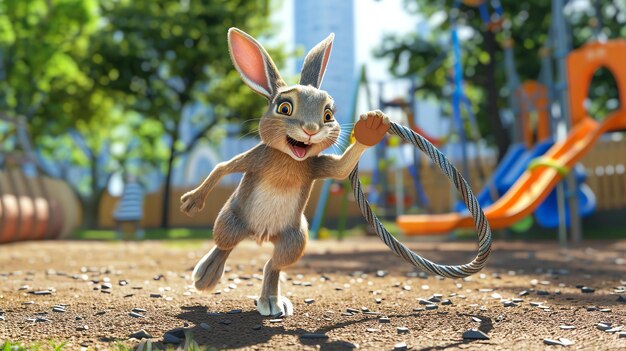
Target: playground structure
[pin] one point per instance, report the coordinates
(536, 183)
(33, 207)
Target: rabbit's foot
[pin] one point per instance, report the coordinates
(210, 269)
(274, 306)
(192, 202)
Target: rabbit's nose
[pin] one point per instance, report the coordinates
(311, 129)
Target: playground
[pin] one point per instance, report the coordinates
(161, 193)
(332, 288)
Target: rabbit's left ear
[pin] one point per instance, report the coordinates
(315, 63)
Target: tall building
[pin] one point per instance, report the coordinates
(314, 21)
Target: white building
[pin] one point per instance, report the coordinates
(314, 20)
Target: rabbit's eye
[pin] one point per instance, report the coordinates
(285, 108)
(328, 116)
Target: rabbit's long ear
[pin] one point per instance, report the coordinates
(253, 63)
(315, 63)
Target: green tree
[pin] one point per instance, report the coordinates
(45, 76)
(169, 55)
(526, 22)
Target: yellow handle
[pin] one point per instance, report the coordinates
(548, 162)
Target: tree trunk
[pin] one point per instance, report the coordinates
(90, 203)
(165, 209)
(501, 135)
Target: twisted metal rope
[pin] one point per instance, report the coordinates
(480, 221)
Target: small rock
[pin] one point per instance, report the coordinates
(226, 322)
(155, 295)
(42, 292)
(142, 334)
(400, 346)
(100, 313)
(566, 342)
(567, 327)
(58, 309)
(476, 319)
(378, 300)
(552, 342)
(352, 310)
(236, 311)
(475, 334)
(136, 315)
(256, 327)
(314, 336)
(432, 307)
(402, 330)
(276, 320)
(309, 301)
(622, 334)
(509, 304)
(139, 310)
(446, 302)
(384, 320)
(82, 327)
(372, 330)
(592, 308)
(587, 290)
(523, 293)
(603, 326)
(434, 299)
(621, 298)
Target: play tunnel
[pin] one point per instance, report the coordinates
(35, 207)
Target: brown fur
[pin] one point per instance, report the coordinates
(269, 202)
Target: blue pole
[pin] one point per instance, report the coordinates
(457, 97)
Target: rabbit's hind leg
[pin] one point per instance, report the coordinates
(288, 248)
(228, 231)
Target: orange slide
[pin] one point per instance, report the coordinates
(535, 184)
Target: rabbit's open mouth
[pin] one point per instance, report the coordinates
(297, 147)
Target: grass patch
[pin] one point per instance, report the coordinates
(150, 234)
(145, 345)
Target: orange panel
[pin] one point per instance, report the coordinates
(582, 63)
(533, 96)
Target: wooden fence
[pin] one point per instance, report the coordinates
(605, 165)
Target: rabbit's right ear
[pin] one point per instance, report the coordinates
(253, 63)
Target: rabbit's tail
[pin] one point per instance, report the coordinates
(209, 269)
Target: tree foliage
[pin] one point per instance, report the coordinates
(526, 22)
(105, 84)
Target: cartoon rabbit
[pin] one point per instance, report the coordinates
(279, 172)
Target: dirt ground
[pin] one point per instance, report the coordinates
(360, 274)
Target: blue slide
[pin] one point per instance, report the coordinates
(513, 165)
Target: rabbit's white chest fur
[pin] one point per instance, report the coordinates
(271, 210)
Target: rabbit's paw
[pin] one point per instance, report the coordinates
(192, 202)
(371, 127)
(274, 306)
